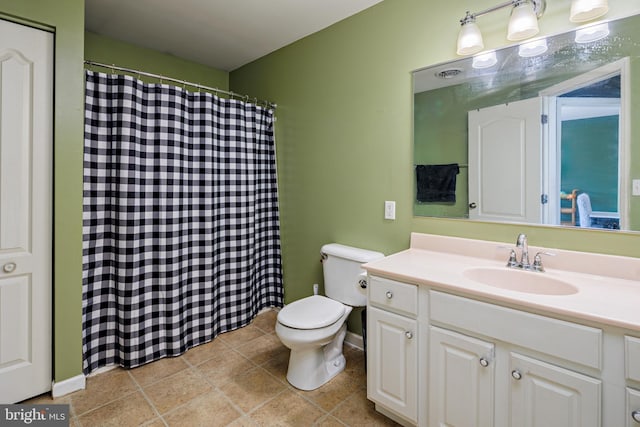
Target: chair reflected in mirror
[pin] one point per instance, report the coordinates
(584, 210)
(587, 218)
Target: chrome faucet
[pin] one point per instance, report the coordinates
(521, 243)
(524, 263)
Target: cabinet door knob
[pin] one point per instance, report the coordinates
(516, 375)
(484, 362)
(389, 294)
(409, 335)
(636, 415)
(9, 267)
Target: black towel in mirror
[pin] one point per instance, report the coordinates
(436, 183)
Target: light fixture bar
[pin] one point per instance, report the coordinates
(489, 10)
(539, 7)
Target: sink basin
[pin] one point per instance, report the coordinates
(520, 281)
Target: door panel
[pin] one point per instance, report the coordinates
(393, 362)
(26, 142)
(505, 160)
(545, 395)
(461, 372)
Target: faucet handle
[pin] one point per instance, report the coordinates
(537, 261)
(513, 259)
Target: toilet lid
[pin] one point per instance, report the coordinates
(312, 312)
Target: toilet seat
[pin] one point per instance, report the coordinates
(312, 312)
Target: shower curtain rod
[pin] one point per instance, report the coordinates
(246, 98)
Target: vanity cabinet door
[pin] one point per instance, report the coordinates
(544, 395)
(461, 372)
(392, 362)
(633, 408)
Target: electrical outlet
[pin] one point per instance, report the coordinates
(389, 210)
(635, 191)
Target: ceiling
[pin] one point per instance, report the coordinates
(224, 34)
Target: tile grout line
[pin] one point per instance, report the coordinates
(147, 398)
(102, 405)
(217, 389)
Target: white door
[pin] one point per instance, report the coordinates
(26, 114)
(544, 395)
(393, 379)
(461, 373)
(505, 161)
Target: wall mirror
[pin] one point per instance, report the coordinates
(546, 132)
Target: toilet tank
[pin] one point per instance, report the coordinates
(342, 270)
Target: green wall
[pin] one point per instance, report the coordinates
(344, 132)
(106, 50)
(66, 17)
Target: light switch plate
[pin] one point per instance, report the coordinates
(389, 209)
(635, 191)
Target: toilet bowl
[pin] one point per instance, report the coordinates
(314, 328)
(316, 351)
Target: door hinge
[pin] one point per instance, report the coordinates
(544, 119)
(544, 199)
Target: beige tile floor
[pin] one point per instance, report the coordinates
(238, 379)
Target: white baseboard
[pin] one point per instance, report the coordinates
(68, 386)
(354, 340)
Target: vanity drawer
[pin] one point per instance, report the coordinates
(569, 341)
(632, 358)
(394, 296)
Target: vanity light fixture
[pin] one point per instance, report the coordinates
(469, 37)
(587, 10)
(523, 24)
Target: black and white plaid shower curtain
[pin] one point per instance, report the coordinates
(180, 220)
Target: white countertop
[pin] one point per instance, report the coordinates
(609, 298)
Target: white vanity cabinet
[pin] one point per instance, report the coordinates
(392, 347)
(512, 345)
(500, 347)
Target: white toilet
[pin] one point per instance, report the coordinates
(314, 327)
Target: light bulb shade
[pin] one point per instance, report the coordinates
(469, 39)
(592, 33)
(523, 23)
(586, 10)
(485, 60)
(534, 48)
